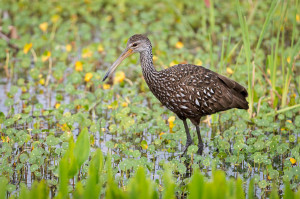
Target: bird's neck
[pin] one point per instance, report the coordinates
(149, 72)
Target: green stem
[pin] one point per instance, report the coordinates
(284, 110)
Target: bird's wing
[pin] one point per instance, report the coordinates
(233, 85)
(210, 92)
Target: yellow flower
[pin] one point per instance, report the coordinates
(268, 71)
(161, 134)
(297, 18)
(42, 81)
(124, 104)
(64, 127)
(86, 53)
(55, 18)
(5, 139)
(119, 77)
(293, 160)
(100, 48)
(27, 47)
(44, 26)
(199, 62)
(88, 77)
(288, 59)
(171, 123)
(113, 105)
(289, 121)
(173, 63)
(171, 119)
(106, 86)
(229, 70)
(57, 105)
(78, 66)
(46, 56)
(179, 45)
(24, 89)
(108, 18)
(68, 47)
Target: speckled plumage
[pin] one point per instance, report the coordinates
(193, 91)
(188, 90)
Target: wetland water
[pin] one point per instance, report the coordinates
(51, 139)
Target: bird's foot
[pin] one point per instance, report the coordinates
(188, 143)
(200, 149)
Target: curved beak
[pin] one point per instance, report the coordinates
(113, 67)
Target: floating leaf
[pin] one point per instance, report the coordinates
(33, 168)
(136, 153)
(9, 102)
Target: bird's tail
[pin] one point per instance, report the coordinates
(239, 101)
(238, 92)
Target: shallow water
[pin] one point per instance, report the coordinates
(48, 101)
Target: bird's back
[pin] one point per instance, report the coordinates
(193, 91)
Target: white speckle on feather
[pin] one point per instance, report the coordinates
(184, 107)
(197, 102)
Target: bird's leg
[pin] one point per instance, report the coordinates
(188, 137)
(200, 143)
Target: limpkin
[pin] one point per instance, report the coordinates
(190, 91)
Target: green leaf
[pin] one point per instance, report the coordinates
(9, 102)
(144, 144)
(136, 153)
(196, 185)
(142, 187)
(63, 177)
(3, 184)
(262, 184)
(169, 184)
(82, 147)
(11, 187)
(93, 186)
(33, 168)
(109, 144)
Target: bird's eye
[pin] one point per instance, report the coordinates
(134, 45)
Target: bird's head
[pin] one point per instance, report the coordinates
(136, 44)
